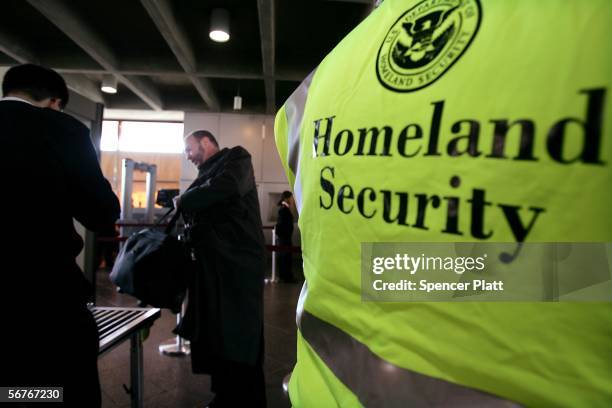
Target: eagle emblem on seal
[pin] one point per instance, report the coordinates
(425, 41)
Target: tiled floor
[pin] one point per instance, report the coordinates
(168, 381)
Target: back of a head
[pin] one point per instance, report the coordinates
(285, 196)
(35, 81)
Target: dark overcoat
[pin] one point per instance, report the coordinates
(50, 177)
(284, 225)
(224, 316)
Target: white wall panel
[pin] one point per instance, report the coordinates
(272, 169)
(253, 132)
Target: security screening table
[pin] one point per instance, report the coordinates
(117, 324)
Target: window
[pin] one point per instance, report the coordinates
(142, 137)
(159, 143)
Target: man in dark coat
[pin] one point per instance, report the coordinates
(51, 176)
(224, 317)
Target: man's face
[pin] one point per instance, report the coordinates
(198, 151)
(51, 103)
(194, 150)
(55, 104)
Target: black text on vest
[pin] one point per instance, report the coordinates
(465, 211)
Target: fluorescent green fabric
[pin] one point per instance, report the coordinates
(531, 60)
(281, 142)
(314, 385)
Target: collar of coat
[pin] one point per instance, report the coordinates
(212, 160)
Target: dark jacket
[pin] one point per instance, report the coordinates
(284, 225)
(224, 317)
(50, 176)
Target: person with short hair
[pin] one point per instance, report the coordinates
(52, 177)
(37, 85)
(224, 314)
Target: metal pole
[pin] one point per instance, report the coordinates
(273, 277)
(177, 346)
(127, 181)
(137, 381)
(151, 181)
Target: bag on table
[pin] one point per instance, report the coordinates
(152, 266)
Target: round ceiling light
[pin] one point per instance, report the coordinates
(219, 25)
(219, 36)
(109, 84)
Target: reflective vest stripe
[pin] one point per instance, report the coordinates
(294, 109)
(378, 383)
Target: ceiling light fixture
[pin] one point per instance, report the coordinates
(238, 99)
(219, 25)
(237, 102)
(109, 84)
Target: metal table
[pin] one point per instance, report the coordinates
(117, 324)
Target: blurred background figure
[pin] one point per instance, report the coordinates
(284, 231)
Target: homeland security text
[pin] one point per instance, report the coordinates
(411, 141)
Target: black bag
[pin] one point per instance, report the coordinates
(152, 266)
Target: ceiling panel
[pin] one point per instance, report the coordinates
(244, 47)
(39, 36)
(284, 89)
(127, 29)
(305, 31)
(252, 92)
(6, 60)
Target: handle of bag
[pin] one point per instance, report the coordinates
(177, 214)
(163, 217)
(172, 221)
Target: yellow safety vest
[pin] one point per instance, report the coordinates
(503, 105)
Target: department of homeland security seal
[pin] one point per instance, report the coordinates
(425, 42)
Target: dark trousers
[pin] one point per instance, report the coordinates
(56, 347)
(234, 384)
(285, 261)
(238, 385)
